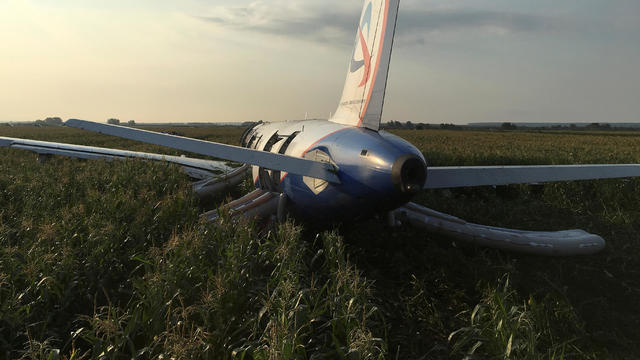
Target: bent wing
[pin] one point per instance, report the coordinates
(272, 161)
(467, 176)
(196, 168)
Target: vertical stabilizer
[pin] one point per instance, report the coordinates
(363, 94)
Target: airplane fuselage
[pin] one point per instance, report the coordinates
(378, 171)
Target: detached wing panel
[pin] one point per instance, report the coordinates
(467, 176)
(294, 165)
(197, 168)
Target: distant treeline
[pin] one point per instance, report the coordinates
(56, 121)
(510, 126)
(420, 126)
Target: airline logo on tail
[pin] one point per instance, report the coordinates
(366, 55)
(364, 89)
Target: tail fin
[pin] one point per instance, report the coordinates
(363, 94)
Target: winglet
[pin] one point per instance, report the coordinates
(364, 90)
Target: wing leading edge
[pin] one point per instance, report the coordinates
(468, 176)
(272, 161)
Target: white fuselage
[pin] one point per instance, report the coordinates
(377, 170)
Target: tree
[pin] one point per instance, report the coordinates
(113, 122)
(508, 126)
(53, 121)
(450, 127)
(131, 123)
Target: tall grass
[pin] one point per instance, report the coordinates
(110, 260)
(103, 260)
(501, 326)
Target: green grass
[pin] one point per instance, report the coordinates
(110, 260)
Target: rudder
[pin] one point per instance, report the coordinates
(364, 90)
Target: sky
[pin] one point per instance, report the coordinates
(454, 61)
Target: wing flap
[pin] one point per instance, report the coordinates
(467, 176)
(264, 159)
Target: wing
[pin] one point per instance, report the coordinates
(196, 168)
(272, 161)
(451, 177)
(546, 243)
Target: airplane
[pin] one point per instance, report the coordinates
(346, 168)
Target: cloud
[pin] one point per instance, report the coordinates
(290, 19)
(473, 20)
(450, 25)
(336, 24)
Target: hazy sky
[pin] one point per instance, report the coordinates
(455, 61)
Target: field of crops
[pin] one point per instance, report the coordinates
(110, 260)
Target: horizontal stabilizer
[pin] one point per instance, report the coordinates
(466, 176)
(294, 165)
